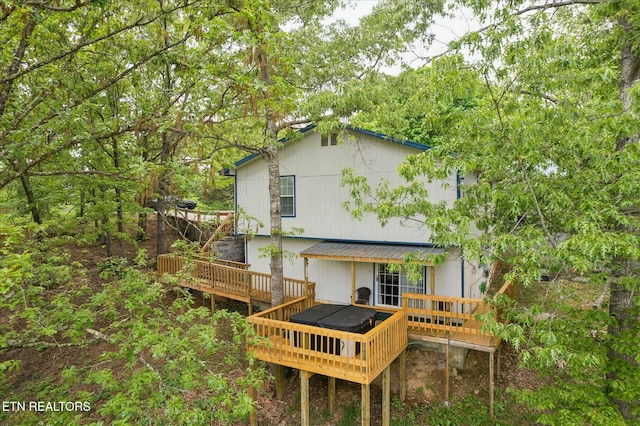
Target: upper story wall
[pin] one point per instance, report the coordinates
(319, 196)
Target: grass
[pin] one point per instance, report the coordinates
(472, 410)
(351, 414)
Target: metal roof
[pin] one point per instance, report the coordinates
(365, 252)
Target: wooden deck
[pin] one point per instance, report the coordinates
(288, 344)
(452, 320)
(440, 319)
(229, 279)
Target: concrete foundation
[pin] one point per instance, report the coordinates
(457, 355)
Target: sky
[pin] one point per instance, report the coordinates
(445, 30)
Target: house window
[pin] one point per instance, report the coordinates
(393, 282)
(325, 140)
(288, 195)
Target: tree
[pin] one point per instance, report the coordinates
(305, 74)
(72, 82)
(161, 360)
(553, 140)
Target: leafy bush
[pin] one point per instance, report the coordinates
(178, 365)
(162, 361)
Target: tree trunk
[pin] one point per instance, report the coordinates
(624, 300)
(106, 236)
(6, 87)
(31, 199)
(273, 166)
(163, 191)
(119, 207)
(120, 219)
(164, 178)
(82, 202)
(141, 229)
(623, 332)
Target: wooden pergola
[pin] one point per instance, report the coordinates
(366, 253)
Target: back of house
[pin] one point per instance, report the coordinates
(340, 253)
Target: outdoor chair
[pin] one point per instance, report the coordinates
(362, 295)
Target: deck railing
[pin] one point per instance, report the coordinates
(201, 216)
(203, 257)
(443, 313)
(229, 280)
(361, 357)
(446, 314)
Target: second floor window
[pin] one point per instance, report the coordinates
(288, 195)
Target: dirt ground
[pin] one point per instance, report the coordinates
(425, 386)
(425, 379)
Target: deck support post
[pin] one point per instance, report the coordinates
(213, 303)
(365, 406)
(491, 373)
(304, 397)
(253, 417)
(386, 396)
(498, 361)
(279, 382)
(249, 282)
(306, 283)
(446, 374)
(332, 395)
(403, 375)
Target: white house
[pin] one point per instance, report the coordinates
(337, 252)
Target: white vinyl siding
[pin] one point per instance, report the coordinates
(318, 197)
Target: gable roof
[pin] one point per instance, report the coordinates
(377, 135)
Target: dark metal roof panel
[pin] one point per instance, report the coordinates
(360, 252)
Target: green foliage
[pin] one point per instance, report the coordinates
(167, 362)
(351, 415)
(547, 158)
(471, 410)
(38, 302)
(178, 366)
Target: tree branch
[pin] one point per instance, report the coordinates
(7, 85)
(78, 172)
(45, 5)
(139, 23)
(532, 8)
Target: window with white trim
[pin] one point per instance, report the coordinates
(325, 140)
(288, 195)
(394, 281)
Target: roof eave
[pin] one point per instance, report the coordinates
(371, 133)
